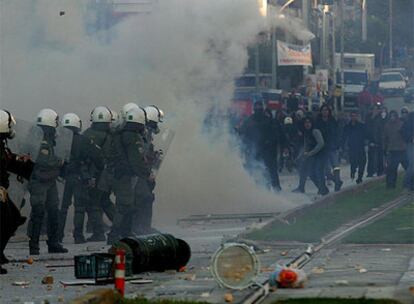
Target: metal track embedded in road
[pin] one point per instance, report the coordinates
(336, 235)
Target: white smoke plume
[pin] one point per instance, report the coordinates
(182, 57)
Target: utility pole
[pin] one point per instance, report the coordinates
(364, 20)
(323, 42)
(274, 59)
(390, 34)
(342, 56)
(257, 65)
(305, 18)
(305, 12)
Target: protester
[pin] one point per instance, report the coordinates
(407, 132)
(365, 101)
(394, 147)
(354, 137)
(312, 159)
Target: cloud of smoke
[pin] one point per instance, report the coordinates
(183, 57)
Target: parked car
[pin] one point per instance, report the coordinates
(409, 95)
(402, 71)
(392, 84)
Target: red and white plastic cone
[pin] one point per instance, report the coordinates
(120, 271)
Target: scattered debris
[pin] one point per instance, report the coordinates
(21, 283)
(284, 253)
(360, 269)
(78, 283)
(48, 280)
(182, 269)
(287, 277)
(341, 282)
(141, 281)
(190, 277)
(205, 295)
(60, 266)
(228, 298)
(61, 299)
(318, 270)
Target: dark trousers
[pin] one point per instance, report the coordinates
(270, 162)
(409, 173)
(314, 168)
(394, 159)
(10, 220)
(375, 161)
(358, 160)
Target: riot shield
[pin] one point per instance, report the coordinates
(162, 143)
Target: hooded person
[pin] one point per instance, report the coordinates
(312, 164)
(260, 135)
(327, 124)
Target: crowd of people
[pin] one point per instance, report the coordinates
(109, 159)
(316, 143)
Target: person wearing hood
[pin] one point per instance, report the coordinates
(354, 138)
(404, 113)
(313, 159)
(395, 147)
(375, 125)
(261, 138)
(327, 124)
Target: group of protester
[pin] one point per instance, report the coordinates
(315, 143)
(112, 158)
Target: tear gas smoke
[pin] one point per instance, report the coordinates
(183, 57)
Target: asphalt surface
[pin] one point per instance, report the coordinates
(335, 272)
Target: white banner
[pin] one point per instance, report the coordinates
(291, 54)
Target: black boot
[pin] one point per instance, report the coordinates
(36, 227)
(337, 180)
(2, 270)
(78, 222)
(53, 232)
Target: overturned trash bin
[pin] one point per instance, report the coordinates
(154, 252)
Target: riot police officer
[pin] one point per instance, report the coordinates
(42, 186)
(100, 135)
(10, 218)
(128, 161)
(144, 189)
(78, 180)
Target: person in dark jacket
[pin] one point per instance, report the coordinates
(44, 196)
(78, 179)
(407, 132)
(354, 137)
(312, 164)
(261, 137)
(128, 158)
(327, 124)
(375, 125)
(10, 217)
(395, 147)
